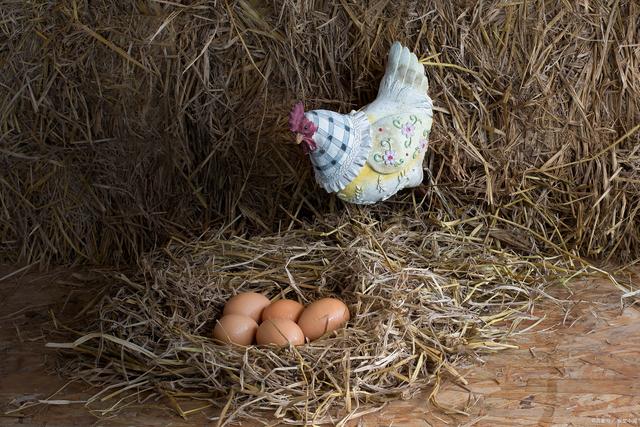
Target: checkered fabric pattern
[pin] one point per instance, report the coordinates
(340, 152)
(335, 129)
(343, 143)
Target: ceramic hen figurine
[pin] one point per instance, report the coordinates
(369, 155)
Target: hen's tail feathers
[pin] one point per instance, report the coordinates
(404, 80)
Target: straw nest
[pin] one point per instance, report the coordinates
(425, 297)
(125, 122)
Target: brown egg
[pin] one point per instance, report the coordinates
(236, 329)
(322, 316)
(283, 309)
(279, 332)
(247, 304)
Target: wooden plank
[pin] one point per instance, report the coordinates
(581, 370)
(581, 367)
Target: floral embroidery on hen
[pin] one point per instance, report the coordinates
(398, 139)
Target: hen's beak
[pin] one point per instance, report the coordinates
(299, 138)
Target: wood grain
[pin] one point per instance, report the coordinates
(580, 368)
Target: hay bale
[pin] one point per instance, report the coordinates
(123, 123)
(87, 146)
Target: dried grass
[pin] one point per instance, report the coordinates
(423, 302)
(123, 123)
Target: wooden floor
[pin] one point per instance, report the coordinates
(581, 367)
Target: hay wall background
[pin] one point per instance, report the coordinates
(124, 122)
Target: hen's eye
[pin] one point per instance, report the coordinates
(306, 127)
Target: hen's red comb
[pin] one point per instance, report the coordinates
(295, 116)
